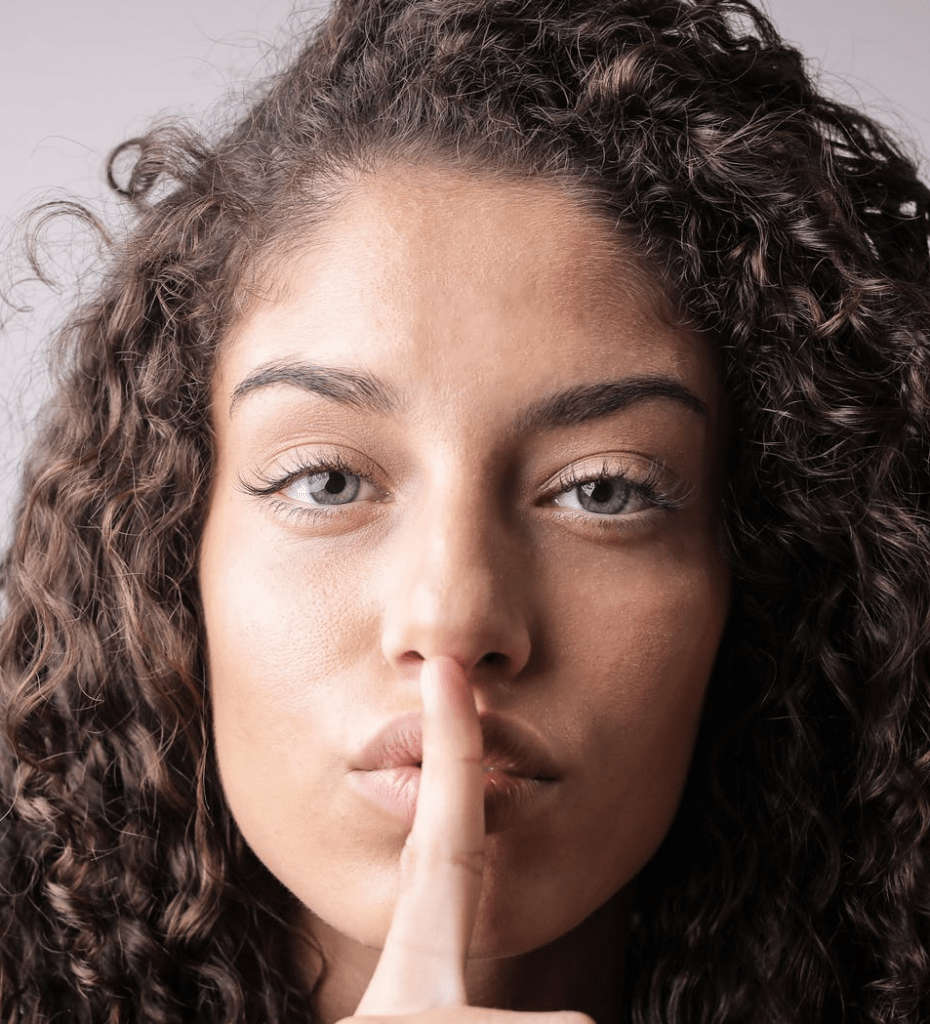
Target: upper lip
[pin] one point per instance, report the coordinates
(509, 745)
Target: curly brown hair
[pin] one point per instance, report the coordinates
(795, 882)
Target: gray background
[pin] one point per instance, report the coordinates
(78, 76)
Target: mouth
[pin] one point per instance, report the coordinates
(519, 772)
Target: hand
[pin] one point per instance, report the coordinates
(421, 971)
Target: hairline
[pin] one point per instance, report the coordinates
(337, 180)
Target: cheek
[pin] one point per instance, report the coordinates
(630, 647)
(640, 638)
(288, 638)
(278, 611)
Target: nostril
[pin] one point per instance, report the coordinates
(493, 659)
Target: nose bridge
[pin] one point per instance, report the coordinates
(457, 592)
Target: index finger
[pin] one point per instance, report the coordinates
(422, 965)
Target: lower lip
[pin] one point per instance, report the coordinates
(507, 798)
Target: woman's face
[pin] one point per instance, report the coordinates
(461, 426)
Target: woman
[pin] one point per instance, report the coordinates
(486, 523)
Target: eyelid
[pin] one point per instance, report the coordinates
(304, 461)
(652, 479)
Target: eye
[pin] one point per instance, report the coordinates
(620, 486)
(318, 485)
(605, 495)
(326, 487)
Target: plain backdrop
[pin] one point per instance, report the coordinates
(79, 76)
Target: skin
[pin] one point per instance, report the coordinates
(467, 547)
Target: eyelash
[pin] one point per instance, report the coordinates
(269, 488)
(650, 488)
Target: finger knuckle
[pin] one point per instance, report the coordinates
(429, 858)
(471, 861)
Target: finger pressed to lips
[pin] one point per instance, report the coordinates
(517, 766)
(422, 965)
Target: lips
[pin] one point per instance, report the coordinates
(519, 771)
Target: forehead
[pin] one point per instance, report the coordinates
(424, 273)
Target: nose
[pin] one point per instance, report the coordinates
(455, 589)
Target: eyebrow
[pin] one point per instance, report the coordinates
(585, 402)
(355, 388)
(570, 406)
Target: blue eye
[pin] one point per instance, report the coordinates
(620, 487)
(326, 487)
(608, 495)
(316, 487)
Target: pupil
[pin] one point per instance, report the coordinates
(336, 483)
(602, 491)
